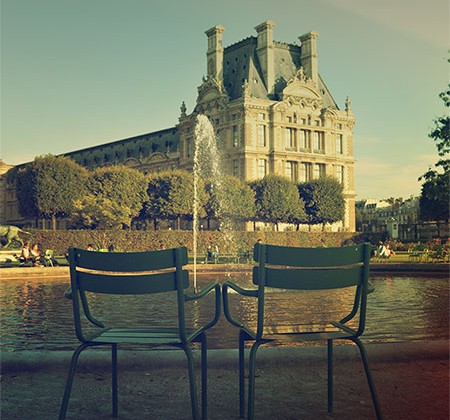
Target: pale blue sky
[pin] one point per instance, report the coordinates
(78, 73)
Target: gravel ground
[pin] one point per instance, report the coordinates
(412, 380)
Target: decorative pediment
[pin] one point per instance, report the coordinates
(211, 95)
(301, 89)
(210, 88)
(329, 113)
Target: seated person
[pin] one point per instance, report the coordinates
(25, 255)
(36, 255)
(209, 254)
(215, 253)
(383, 251)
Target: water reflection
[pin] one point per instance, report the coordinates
(36, 316)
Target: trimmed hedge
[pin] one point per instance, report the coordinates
(228, 242)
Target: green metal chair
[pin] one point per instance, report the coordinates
(303, 269)
(49, 257)
(136, 273)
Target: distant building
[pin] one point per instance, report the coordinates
(272, 113)
(397, 218)
(7, 197)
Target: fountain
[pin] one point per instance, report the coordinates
(207, 166)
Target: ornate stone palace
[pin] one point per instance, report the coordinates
(272, 113)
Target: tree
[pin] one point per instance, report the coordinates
(49, 186)
(230, 199)
(277, 200)
(115, 197)
(171, 196)
(434, 199)
(99, 213)
(324, 200)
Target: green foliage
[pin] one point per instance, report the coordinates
(441, 132)
(324, 200)
(49, 186)
(115, 196)
(230, 198)
(26, 192)
(171, 196)
(434, 199)
(277, 200)
(129, 240)
(100, 213)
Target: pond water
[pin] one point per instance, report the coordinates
(35, 316)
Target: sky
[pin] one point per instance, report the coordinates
(79, 73)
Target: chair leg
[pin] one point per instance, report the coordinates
(68, 389)
(241, 377)
(114, 380)
(373, 391)
(330, 374)
(251, 380)
(204, 362)
(192, 383)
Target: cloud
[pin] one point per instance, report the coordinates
(383, 179)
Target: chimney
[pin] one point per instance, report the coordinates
(214, 54)
(309, 55)
(264, 50)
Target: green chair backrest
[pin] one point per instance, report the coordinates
(130, 273)
(313, 269)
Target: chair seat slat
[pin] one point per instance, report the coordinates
(125, 284)
(310, 279)
(129, 261)
(312, 257)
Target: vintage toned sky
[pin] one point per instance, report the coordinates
(78, 73)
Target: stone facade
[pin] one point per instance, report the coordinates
(271, 111)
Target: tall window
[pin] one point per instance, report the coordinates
(303, 140)
(289, 138)
(319, 170)
(339, 144)
(340, 174)
(189, 148)
(289, 169)
(262, 164)
(318, 141)
(261, 135)
(304, 172)
(235, 136)
(235, 168)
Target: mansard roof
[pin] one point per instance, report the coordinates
(133, 147)
(241, 64)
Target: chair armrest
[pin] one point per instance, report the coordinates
(194, 296)
(226, 306)
(345, 328)
(69, 295)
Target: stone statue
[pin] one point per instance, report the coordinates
(348, 105)
(183, 109)
(11, 233)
